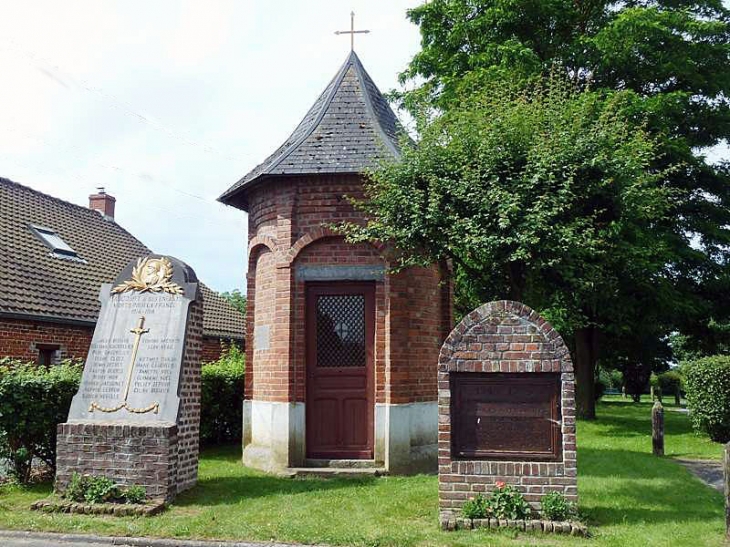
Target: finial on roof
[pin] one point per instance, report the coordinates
(352, 32)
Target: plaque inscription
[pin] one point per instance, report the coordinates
(506, 416)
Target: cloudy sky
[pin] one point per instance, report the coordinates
(167, 103)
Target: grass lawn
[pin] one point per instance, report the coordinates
(629, 496)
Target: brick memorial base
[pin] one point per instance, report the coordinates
(506, 409)
(145, 455)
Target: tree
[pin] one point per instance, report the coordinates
(543, 194)
(673, 56)
(236, 299)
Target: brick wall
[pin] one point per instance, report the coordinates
(131, 454)
(287, 229)
(188, 423)
(213, 347)
(19, 339)
(502, 337)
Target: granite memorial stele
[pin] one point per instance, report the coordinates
(136, 416)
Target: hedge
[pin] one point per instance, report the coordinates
(222, 399)
(34, 399)
(707, 384)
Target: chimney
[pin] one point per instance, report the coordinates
(102, 202)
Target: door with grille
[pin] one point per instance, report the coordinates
(340, 333)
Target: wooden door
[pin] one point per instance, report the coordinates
(340, 374)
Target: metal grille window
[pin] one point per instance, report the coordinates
(341, 331)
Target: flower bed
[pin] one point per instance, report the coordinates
(572, 528)
(55, 505)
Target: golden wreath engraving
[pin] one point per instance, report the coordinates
(150, 275)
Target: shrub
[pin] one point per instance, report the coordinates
(506, 502)
(670, 383)
(100, 490)
(135, 494)
(554, 506)
(708, 396)
(475, 508)
(32, 401)
(76, 489)
(222, 398)
(89, 489)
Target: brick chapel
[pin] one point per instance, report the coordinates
(341, 354)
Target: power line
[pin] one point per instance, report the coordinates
(118, 103)
(169, 213)
(145, 177)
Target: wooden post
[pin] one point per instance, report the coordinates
(726, 467)
(657, 429)
(678, 396)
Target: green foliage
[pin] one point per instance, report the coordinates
(222, 398)
(670, 382)
(135, 494)
(541, 193)
(506, 502)
(708, 396)
(475, 508)
(672, 58)
(32, 401)
(554, 506)
(237, 299)
(77, 486)
(101, 490)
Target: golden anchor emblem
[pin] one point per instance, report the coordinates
(138, 331)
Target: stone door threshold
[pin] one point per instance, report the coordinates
(339, 472)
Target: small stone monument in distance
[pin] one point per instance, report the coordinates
(136, 416)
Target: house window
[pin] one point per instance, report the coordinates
(54, 242)
(47, 354)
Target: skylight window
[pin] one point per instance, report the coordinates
(54, 241)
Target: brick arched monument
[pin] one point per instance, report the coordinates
(340, 354)
(506, 408)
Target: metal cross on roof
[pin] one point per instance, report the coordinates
(352, 32)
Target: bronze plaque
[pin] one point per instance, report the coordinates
(505, 416)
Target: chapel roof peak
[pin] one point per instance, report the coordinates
(348, 129)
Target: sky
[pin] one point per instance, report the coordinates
(168, 103)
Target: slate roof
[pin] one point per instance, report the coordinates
(35, 283)
(348, 129)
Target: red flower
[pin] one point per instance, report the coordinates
(500, 485)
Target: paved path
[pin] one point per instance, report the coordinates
(708, 471)
(40, 539)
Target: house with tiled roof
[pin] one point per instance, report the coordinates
(54, 257)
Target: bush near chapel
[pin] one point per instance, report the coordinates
(708, 396)
(221, 413)
(34, 399)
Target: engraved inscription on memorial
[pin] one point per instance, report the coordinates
(138, 331)
(132, 371)
(506, 416)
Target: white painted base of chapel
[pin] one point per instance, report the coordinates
(406, 436)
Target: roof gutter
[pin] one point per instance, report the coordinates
(48, 319)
